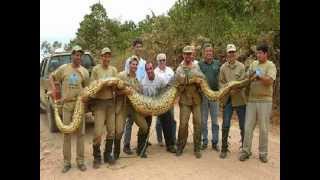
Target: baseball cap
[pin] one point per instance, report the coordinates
(105, 50)
(231, 47)
(77, 48)
(188, 49)
(161, 56)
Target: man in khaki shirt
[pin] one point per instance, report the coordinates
(259, 104)
(232, 70)
(73, 78)
(124, 107)
(190, 101)
(104, 110)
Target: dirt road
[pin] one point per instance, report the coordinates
(161, 164)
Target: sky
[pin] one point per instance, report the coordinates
(59, 19)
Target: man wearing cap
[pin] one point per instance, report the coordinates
(152, 84)
(210, 68)
(190, 101)
(125, 109)
(103, 110)
(194, 55)
(73, 77)
(259, 104)
(167, 74)
(232, 70)
(140, 74)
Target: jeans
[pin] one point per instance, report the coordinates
(214, 109)
(227, 115)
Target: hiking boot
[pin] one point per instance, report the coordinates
(66, 168)
(197, 154)
(171, 149)
(263, 159)
(82, 167)
(204, 146)
(215, 147)
(116, 150)
(244, 156)
(107, 157)
(223, 154)
(96, 156)
(179, 152)
(127, 150)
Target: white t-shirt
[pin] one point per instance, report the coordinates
(167, 74)
(152, 87)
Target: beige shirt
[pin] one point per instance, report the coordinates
(189, 93)
(99, 72)
(233, 72)
(133, 81)
(73, 80)
(258, 91)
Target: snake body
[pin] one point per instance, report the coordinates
(143, 104)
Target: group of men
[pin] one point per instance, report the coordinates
(112, 108)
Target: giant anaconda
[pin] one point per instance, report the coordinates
(143, 104)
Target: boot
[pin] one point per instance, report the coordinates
(139, 145)
(116, 150)
(143, 146)
(127, 150)
(224, 147)
(107, 157)
(96, 156)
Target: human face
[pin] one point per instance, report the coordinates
(231, 56)
(162, 63)
(138, 48)
(133, 66)
(261, 56)
(149, 70)
(76, 58)
(105, 59)
(208, 54)
(187, 57)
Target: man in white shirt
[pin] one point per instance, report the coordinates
(152, 84)
(167, 74)
(140, 74)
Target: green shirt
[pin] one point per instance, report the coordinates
(211, 71)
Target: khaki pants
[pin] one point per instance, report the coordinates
(67, 115)
(104, 114)
(185, 111)
(257, 111)
(140, 120)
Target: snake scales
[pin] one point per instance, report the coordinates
(143, 104)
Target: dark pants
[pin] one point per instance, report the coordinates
(173, 128)
(167, 124)
(227, 115)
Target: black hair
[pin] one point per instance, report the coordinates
(136, 41)
(263, 47)
(206, 45)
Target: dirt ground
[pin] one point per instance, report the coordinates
(160, 164)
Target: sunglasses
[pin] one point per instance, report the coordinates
(162, 60)
(231, 52)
